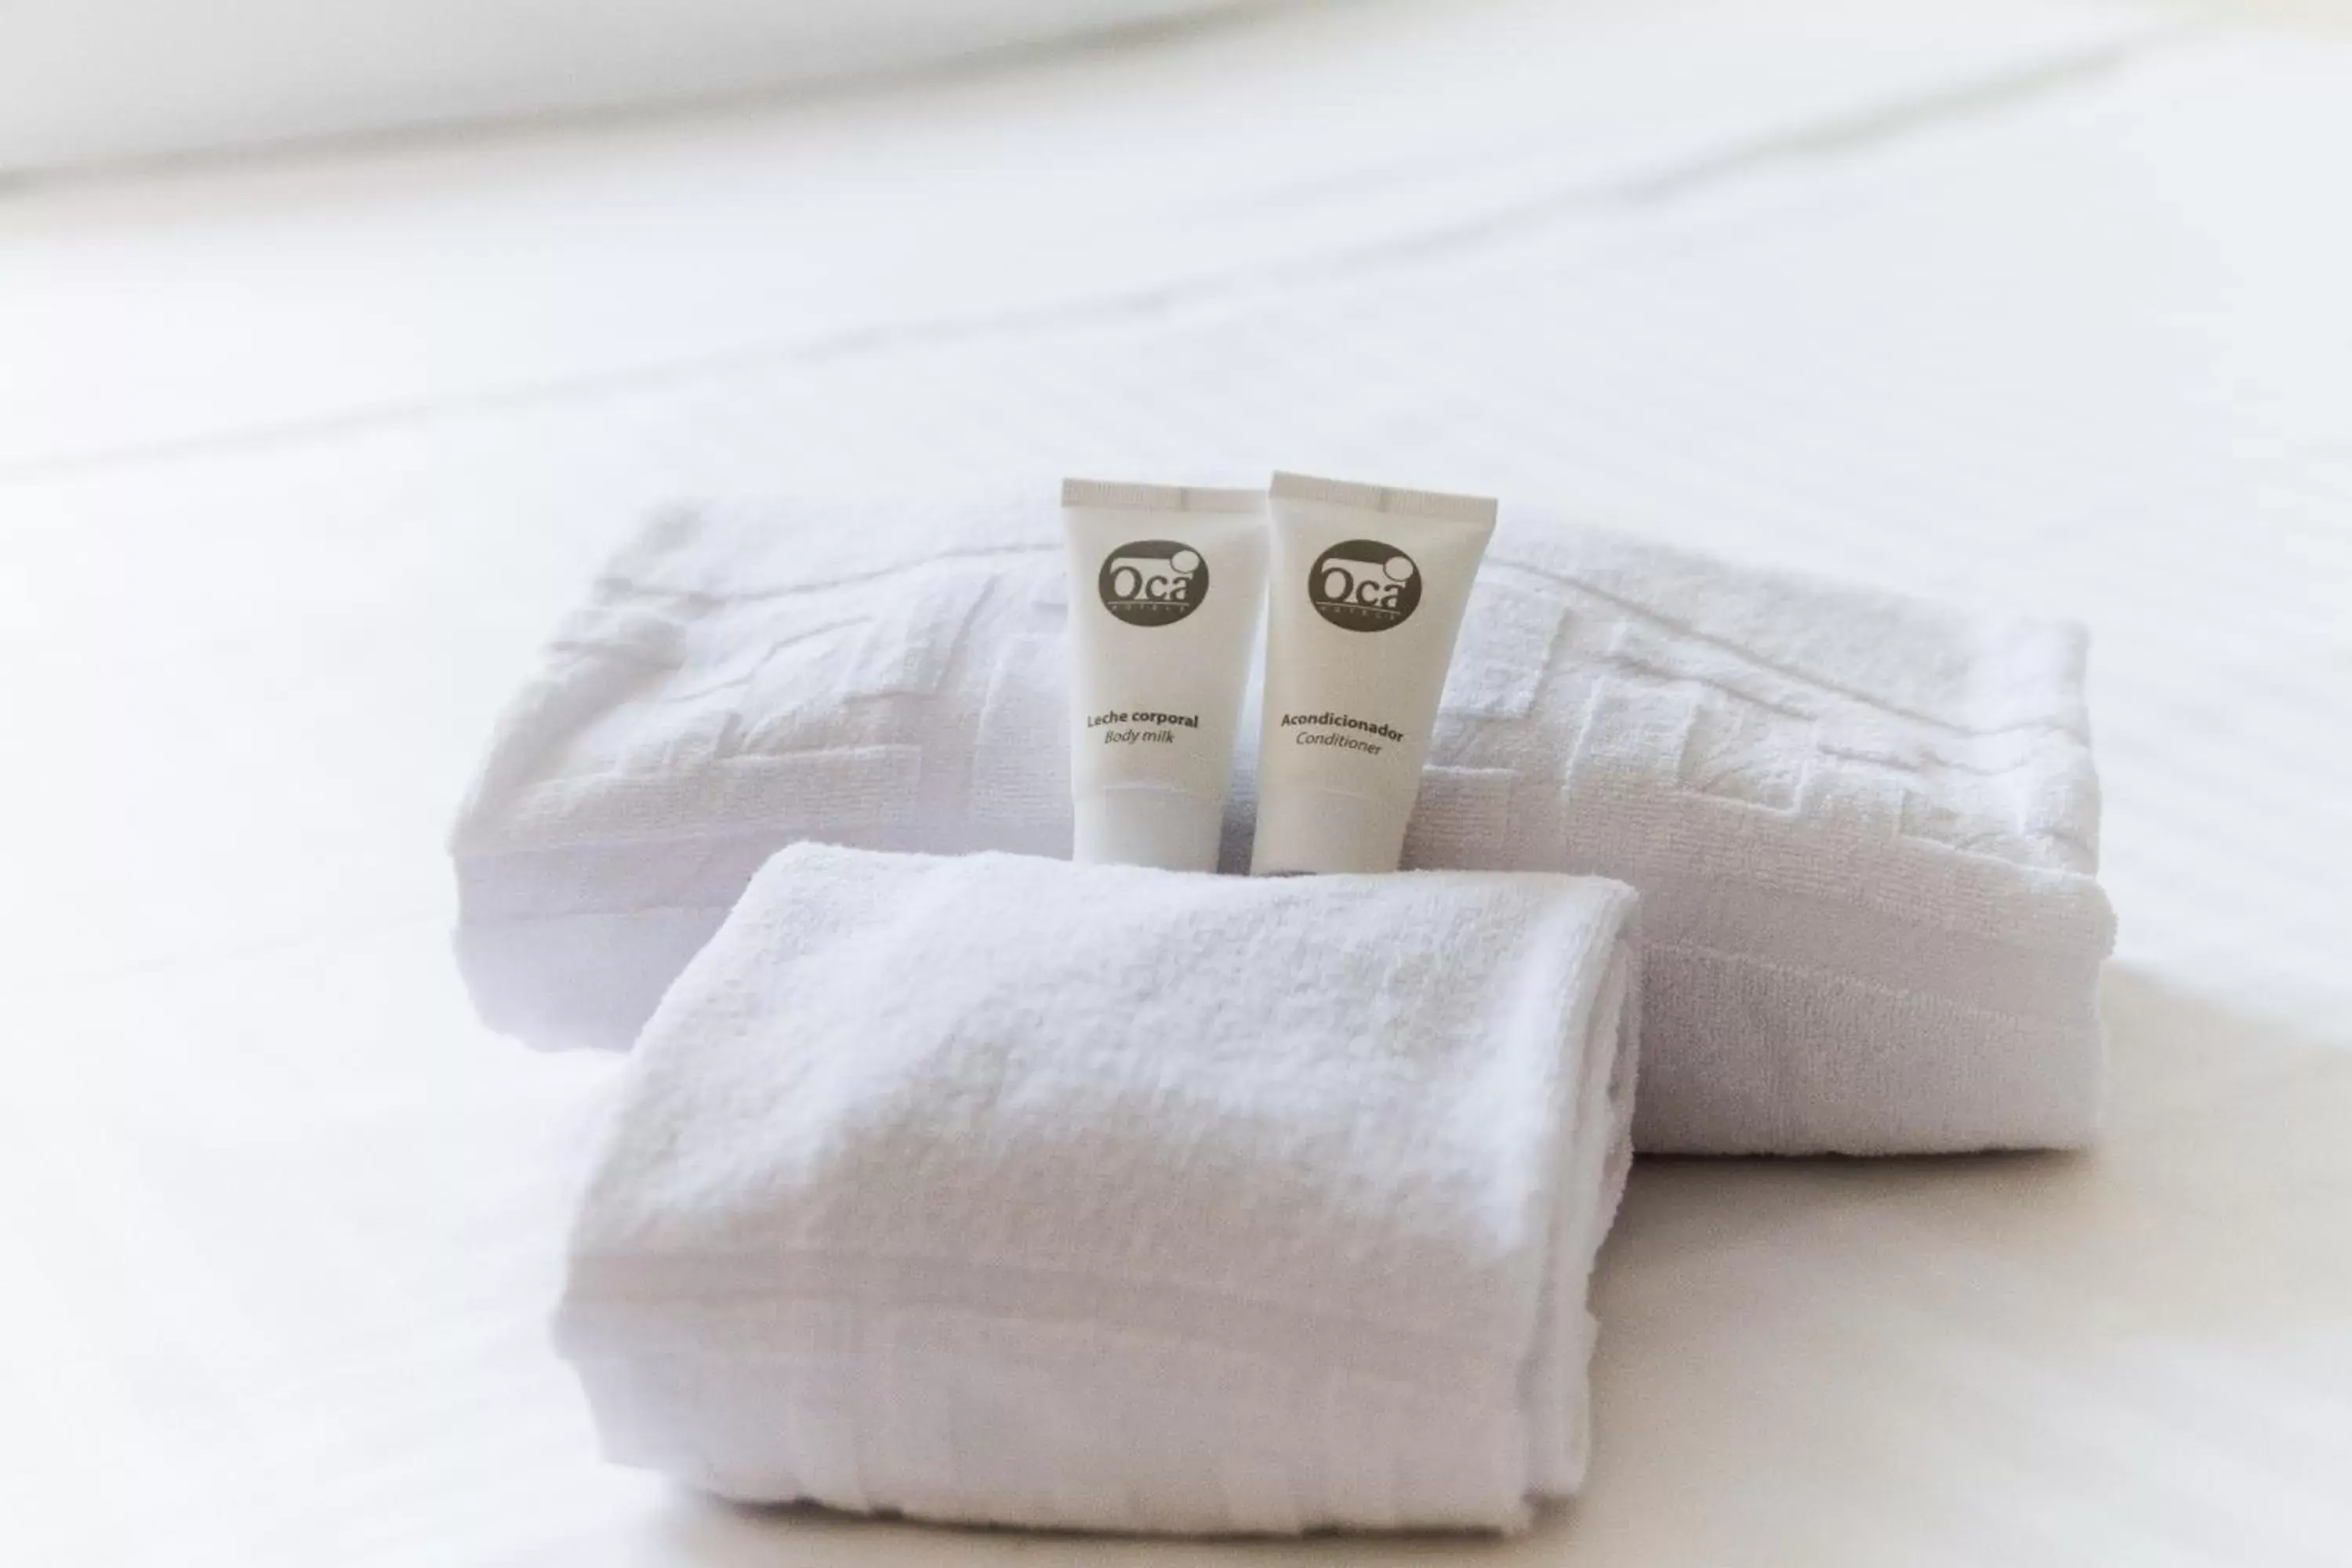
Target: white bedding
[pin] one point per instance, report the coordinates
(296, 466)
(87, 81)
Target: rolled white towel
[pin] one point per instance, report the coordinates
(998, 1188)
(1864, 828)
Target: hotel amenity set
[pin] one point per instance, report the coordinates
(981, 1158)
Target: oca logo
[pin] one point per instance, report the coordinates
(1154, 582)
(1364, 585)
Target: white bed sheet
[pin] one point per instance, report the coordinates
(2057, 321)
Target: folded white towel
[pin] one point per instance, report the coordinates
(999, 1188)
(1864, 828)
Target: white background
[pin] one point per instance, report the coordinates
(87, 82)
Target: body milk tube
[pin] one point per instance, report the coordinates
(1369, 589)
(1166, 588)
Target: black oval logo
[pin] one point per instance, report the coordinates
(1154, 582)
(1364, 585)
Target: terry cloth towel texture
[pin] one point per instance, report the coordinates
(1003, 1189)
(1864, 827)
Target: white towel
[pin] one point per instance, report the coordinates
(1864, 828)
(999, 1188)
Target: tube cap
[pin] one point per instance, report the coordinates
(1322, 830)
(1147, 827)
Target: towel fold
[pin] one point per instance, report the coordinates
(1864, 828)
(1003, 1189)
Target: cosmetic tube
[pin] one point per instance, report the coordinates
(1167, 586)
(1369, 588)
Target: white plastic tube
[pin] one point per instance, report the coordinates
(1166, 590)
(1369, 589)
